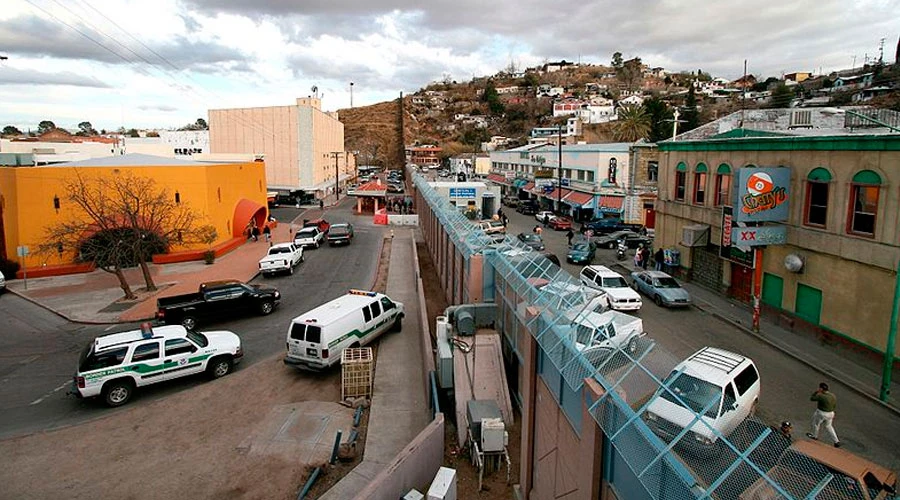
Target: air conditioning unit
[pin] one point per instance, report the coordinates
(444, 354)
(493, 435)
(801, 118)
(696, 235)
(444, 485)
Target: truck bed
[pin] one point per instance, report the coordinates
(179, 300)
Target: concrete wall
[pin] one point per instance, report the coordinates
(212, 192)
(414, 467)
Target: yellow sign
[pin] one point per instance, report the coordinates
(543, 174)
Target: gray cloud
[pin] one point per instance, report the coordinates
(33, 36)
(13, 76)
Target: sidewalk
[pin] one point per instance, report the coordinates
(860, 374)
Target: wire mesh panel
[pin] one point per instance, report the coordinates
(679, 435)
(357, 367)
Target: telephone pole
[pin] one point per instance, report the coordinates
(337, 175)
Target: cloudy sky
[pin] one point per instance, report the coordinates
(164, 63)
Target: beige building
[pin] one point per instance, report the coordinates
(836, 270)
(303, 146)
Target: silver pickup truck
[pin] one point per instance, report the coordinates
(281, 257)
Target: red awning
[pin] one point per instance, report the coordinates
(553, 195)
(613, 202)
(528, 187)
(576, 198)
(497, 178)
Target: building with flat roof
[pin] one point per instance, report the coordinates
(303, 146)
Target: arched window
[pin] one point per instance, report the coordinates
(863, 203)
(700, 184)
(815, 211)
(723, 185)
(680, 181)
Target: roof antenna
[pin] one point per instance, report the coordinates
(743, 97)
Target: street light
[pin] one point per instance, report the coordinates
(337, 176)
(559, 168)
(351, 94)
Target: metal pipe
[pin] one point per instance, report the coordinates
(309, 483)
(888, 365)
(334, 450)
(354, 434)
(357, 416)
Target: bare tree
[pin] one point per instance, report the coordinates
(121, 221)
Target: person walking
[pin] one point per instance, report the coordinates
(546, 220)
(569, 236)
(505, 220)
(645, 257)
(659, 257)
(637, 255)
(321, 204)
(824, 414)
(267, 232)
(255, 233)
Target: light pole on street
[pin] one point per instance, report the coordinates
(337, 175)
(559, 168)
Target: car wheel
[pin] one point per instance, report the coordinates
(301, 258)
(189, 323)
(658, 300)
(118, 392)
(611, 245)
(754, 407)
(291, 270)
(316, 244)
(219, 367)
(398, 324)
(266, 307)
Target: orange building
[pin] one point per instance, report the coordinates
(224, 195)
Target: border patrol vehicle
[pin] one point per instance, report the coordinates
(316, 339)
(114, 365)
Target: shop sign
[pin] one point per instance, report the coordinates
(462, 193)
(543, 174)
(759, 236)
(762, 194)
(728, 250)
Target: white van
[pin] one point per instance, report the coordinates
(316, 339)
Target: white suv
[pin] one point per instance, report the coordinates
(621, 296)
(112, 366)
(724, 386)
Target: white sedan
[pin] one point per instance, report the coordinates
(540, 216)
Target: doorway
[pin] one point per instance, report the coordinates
(809, 303)
(649, 216)
(741, 283)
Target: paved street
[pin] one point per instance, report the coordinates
(40, 349)
(863, 426)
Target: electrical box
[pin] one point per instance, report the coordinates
(493, 435)
(479, 410)
(696, 235)
(465, 323)
(443, 362)
(444, 485)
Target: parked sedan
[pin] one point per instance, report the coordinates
(532, 240)
(561, 223)
(544, 213)
(611, 240)
(660, 287)
(581, 253)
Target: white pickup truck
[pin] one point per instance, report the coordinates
(281, 257)
(309, 236)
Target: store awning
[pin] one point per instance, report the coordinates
(611, 203)
(520, 182)
(553, 195)
(575, 199)
(499, 179)
(528, 187)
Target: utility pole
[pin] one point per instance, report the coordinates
(351, 94)
(559, 168)
(337, 175)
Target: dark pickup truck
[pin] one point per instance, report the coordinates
(611, 225)
(214, 300)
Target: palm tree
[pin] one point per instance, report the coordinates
(633, 124)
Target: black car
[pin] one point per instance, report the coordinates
(528, 207)
(611, 240)
(609, 225)
(532, 240)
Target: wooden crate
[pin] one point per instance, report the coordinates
(357, 370)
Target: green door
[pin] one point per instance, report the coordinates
(772, 290)
(809, 303)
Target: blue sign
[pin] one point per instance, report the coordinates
(762, 194)
(468, 193)
(758, 236)
(564, 181)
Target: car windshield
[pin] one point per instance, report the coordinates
(532, 238)
(614, 282)
(667, 282)
(307, 231)
(496, 223)
(276, 250)
(581, 247)
(339, 230)
(198, 338)
(696, 393)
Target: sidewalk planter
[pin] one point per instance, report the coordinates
(209, 256)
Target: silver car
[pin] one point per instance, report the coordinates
(660, 287)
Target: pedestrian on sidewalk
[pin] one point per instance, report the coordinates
(645, 257)
(321, 204)
(824, 414)
(659, 257)
(637, 256)
(267, 232)
(569, 236)
(546, 220)
(505, 220)
(255, 233)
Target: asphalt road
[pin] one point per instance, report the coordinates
(39, 350)
(863, 426)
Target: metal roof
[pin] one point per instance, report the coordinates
(131, 160)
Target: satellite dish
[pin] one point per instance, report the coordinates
(793, 263)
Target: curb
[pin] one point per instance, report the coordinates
(840, 378)
(64, 316)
